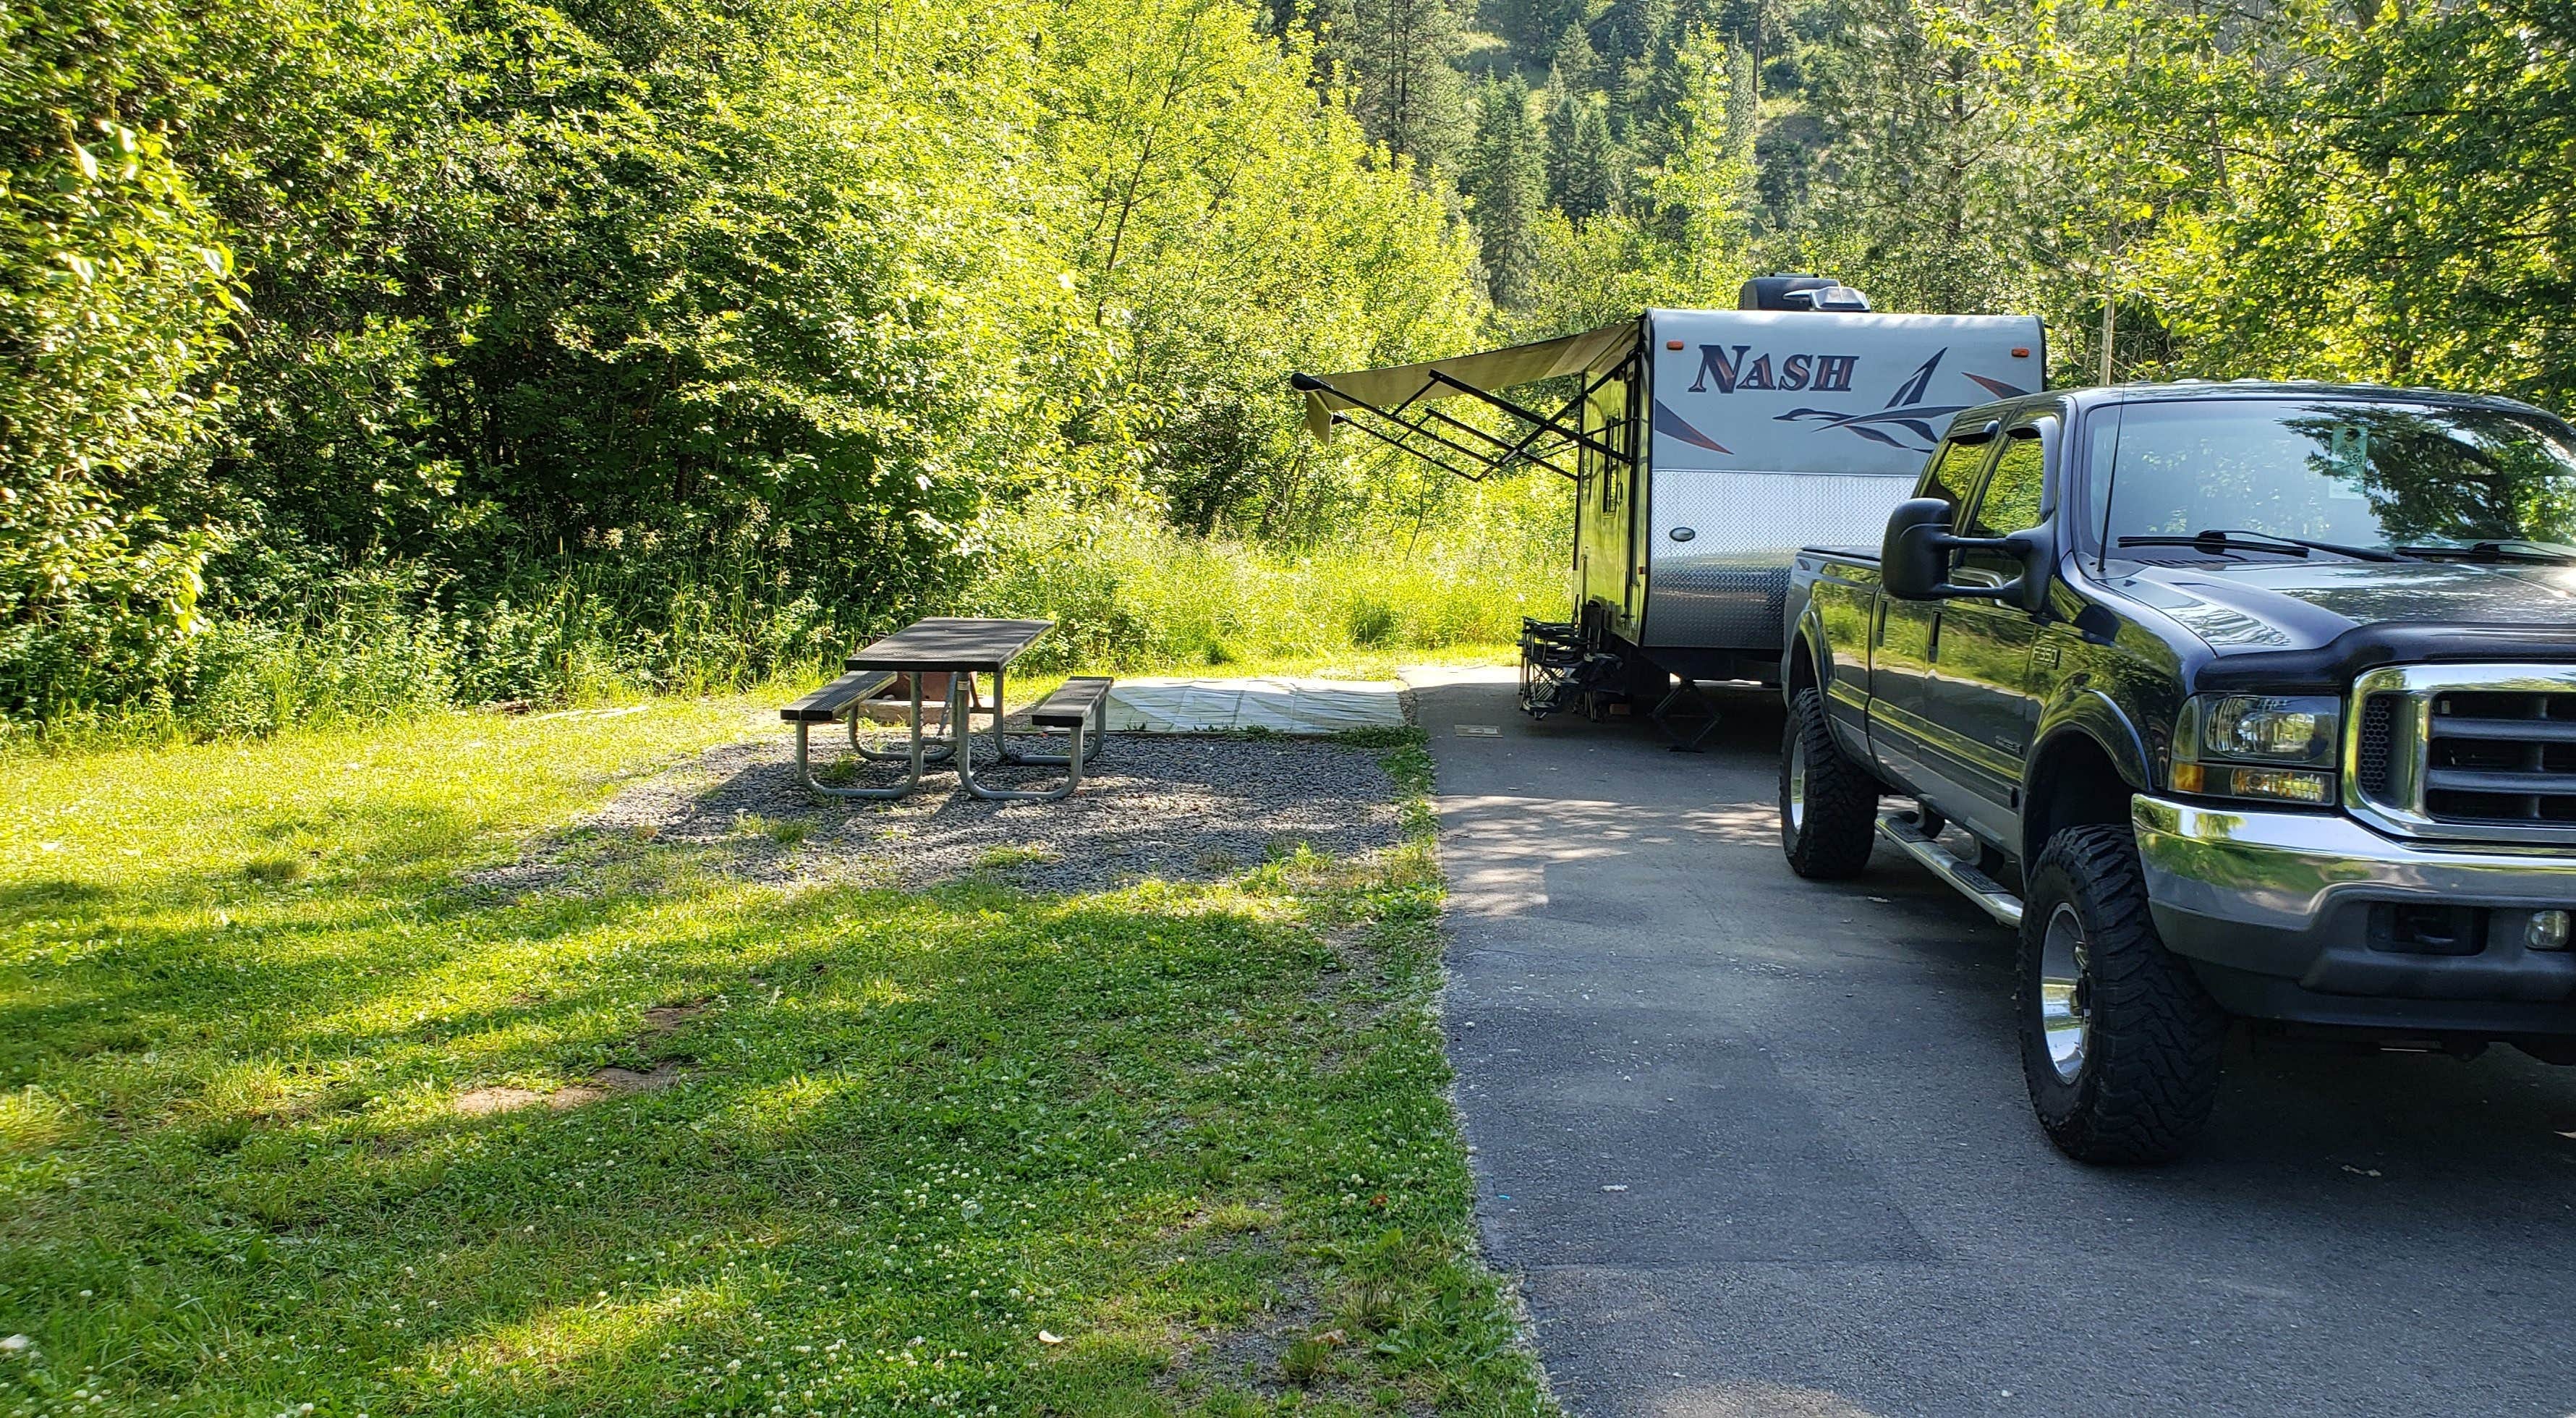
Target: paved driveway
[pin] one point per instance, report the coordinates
(1755, 1145)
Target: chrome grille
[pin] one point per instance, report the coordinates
(2482, 753)
(2501, 757)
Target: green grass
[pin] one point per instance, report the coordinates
(294, 1114)
(1138, 597)
(1126, 593)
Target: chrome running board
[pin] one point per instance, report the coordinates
(1971, 883)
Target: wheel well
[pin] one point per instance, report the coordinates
(1802, 668)
(2074, 784)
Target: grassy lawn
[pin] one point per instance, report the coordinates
(291, 1114)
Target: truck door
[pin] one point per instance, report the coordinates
(1979, 680)
(1907, 635)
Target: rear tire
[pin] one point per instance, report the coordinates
(1828, 802)
(2120, 1043)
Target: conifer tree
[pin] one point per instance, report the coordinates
(1399, 58)
(1506, 180)
(1576, 65)
(1583, 160)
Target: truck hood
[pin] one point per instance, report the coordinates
(2298, 605)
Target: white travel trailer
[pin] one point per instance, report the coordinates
(1706, 447)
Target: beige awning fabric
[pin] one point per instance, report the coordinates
(1492, 370)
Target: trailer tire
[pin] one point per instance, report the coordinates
(2119, 1040)
(1828, 802)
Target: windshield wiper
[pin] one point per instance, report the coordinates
(2220, 539)
(2508, 549)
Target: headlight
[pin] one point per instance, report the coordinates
(2286, 746)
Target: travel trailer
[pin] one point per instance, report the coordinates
(1706, 447)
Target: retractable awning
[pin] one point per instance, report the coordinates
(1392, 404)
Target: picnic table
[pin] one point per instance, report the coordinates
(960, 647)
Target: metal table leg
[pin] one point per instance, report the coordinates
(1099, 734)
(912, 778)
(1001, 718)
(940, 747)
(1074, 762)
(936, 748)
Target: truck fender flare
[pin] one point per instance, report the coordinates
(1810, 637)
(2089, 713)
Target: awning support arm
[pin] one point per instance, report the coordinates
(1420, 425)
(1502, 459)
(1521, 411)
(1401, 446)
(1494, 462)
(1572, 405)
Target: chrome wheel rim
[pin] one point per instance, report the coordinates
(2065, 1006)
(1797, 786)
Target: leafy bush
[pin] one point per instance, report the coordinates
(1135, 594)
(640, 346)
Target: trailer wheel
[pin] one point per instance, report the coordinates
(2119, 1041)
(1828, 803)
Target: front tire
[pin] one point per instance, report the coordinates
(2120, 1042)
(1828, 802)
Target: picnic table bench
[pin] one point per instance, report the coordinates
(961, 648)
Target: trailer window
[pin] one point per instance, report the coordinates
(1954, 471)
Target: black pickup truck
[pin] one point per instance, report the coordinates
(2240, 701)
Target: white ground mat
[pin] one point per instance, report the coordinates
(1287, 706)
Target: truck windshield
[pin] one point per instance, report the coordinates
(2421, 478)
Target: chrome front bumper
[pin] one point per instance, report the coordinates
(2274, 909)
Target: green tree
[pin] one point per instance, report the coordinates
(1399, 58)
(1584, 163)
(1506, 181)
(714, 329)
(2383, 197)
(1574, 66)
(1934, 192)
(1230, 228)
(115, 284)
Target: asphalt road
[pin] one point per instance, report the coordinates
(1756, 1145)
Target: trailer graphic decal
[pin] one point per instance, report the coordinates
(1672, 425)
(1905, 410)
(1830, 374)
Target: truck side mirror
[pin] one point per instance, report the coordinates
(1912, 562)
(1914, 559)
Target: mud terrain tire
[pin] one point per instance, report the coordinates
(1828, 802)
(2119, 1041)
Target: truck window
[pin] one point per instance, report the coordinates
(2010, 502)
(2358, 472)
(1953, 471)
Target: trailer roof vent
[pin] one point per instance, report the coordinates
(1787, 292)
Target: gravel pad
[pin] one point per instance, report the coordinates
(1167, 806)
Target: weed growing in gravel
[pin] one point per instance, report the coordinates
(1015, 854)
(364, 1140)
(786, 831)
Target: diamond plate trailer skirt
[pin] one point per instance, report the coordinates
(1719, 549)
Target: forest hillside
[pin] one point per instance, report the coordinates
(355, 358)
